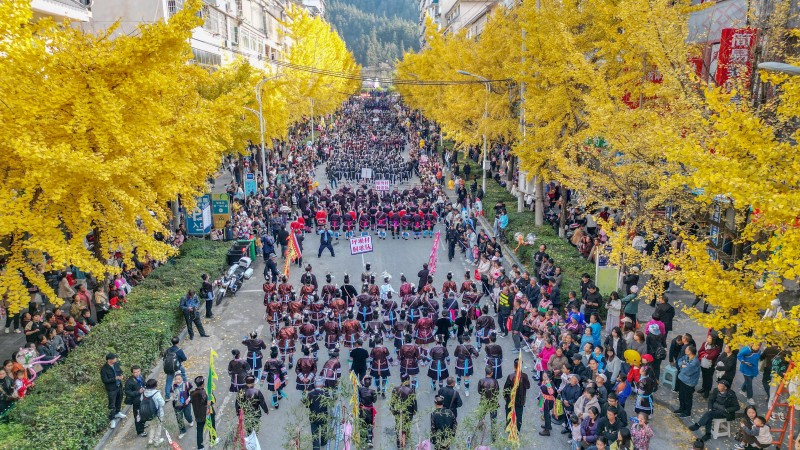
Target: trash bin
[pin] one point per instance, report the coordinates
(250, 244)
(237, 251)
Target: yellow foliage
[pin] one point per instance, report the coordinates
(97, 133)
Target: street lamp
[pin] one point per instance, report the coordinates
(778, 67)
(485, 118)
(262, 125)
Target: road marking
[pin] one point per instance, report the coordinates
(252, 290)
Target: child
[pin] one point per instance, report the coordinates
(575, 429)
(21, 384)
(641, 433)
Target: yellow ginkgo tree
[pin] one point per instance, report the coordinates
(98, 135)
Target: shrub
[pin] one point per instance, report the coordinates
(68, 407)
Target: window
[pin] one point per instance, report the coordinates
(205, 58)
(173, 6)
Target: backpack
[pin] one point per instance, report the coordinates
(147, 408)
(171, 362)
(660, 353)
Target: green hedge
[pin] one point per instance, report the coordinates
(68, 408)
(565, 255)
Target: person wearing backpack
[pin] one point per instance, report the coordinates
(174, 358)
(134, 388)
(183, 411)
(152, 407)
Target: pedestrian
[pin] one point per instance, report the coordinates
(134, 388)
(748, 366)
(664, 313)
(318, 402)
(403, 406)
(688, 375)
(325, 241)
(111, 375)
(180, 404)
(207, 294)
(452, 399)
(251, 400)
(203, 410)
(271, 268)
(630, 304)
(153, 408)
(443, 425)
(521, 394)
(366, 407)
(174, 358)
(190, 305)
(489, 390)
(423, 277)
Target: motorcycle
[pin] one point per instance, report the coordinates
(219, 290)
(232, 280)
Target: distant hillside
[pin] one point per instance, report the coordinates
(376, 30)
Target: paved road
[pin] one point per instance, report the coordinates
(243, 313)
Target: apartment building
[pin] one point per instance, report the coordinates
(74, 10)
(233, 28)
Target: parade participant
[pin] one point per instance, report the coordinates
(464, 366)
(423, 330)
(332, 370)
(285, 291)
(380, 358)
(406, 288)
(325, 241)
(332, 333)
(410, 355)
(351, 330)
(364, 302)
(438, 358)
(443, 325)
(338, 310)
(329, 291)
(237, 370)
(358, 360)
(366, 276)
(275, 311)
(449, 285)
(309, 278)
(366, 407)
(349, 292)
(494, 357)
(318, 401)
(254, 357)
(484, 328)
(287, 336)
(270, 289)
(386, 289)
(252, 400)
(489, 390)
(308, 336)
(403, 406)
(306, 370)
(316, 313)
(443, 425)
(275, 375)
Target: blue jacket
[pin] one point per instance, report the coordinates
(187, 302)
(690, 373)
(749, 362)
(597, 331)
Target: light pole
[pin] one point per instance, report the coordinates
(485, 118)
(788, 69)
(312, 120)
(262, 125)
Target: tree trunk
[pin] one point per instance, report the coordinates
(538, 216)
(562, 218)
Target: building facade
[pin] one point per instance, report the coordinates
(74, 10)
(250, 29)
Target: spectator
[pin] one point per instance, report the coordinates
(151, 392)
(641, 433)
(134, 388)
(748, 366)
(111, 375)
(688, 376)
(722, 404)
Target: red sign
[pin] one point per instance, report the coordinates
(697, 62)
(651, 76)
(735, 54)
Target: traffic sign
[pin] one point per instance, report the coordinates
(220, 209)
(360, 245)
(198, 222)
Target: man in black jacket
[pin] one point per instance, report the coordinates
(443, 425)
(610, 425)
(489, 388)
(516, 323)
(253, 401)
(452, 399)
(423, 277)
(722, 404)
(317, 402)
(325, 241)
(403, 407)
(111, 375)
(134, 388)
(665, 313)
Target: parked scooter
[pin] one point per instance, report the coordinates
(232, 281)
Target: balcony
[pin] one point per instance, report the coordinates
(75, 10)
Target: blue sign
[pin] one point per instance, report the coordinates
(250, 176)
(249, 187)
(198, 221)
